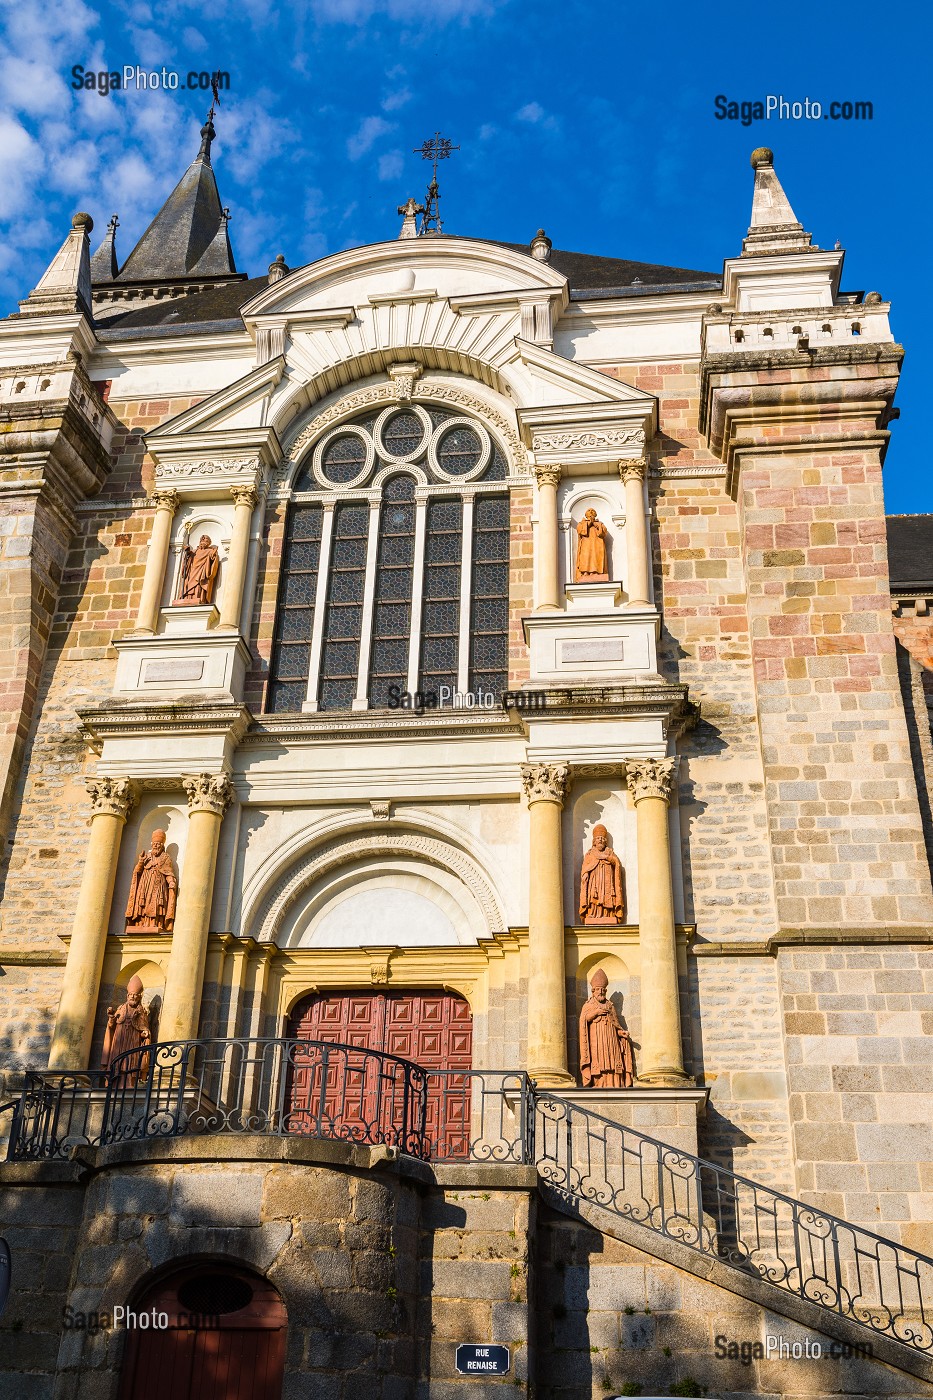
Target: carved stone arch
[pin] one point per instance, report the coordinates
(426, 391)
(354, 847)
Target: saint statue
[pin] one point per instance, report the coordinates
(128, 1029)
(591, 550)
(198, 573)
(153, 889)
(601, 898)
(606, 1058)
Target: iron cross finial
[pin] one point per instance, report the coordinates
(436, 148)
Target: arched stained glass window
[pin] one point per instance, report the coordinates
(403, 514)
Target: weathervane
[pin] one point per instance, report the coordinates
(435, 149)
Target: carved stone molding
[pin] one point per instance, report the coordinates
(403, 377)
(208, 792)
(387, 394)
(544, 782)
(115, 796)
(381, 811)
(651, 778)
(435, 852)
(166, 499)
(379, 971)
(548, 475)
(570, 439)
(632, 469)
(231, 466)
(245, 496)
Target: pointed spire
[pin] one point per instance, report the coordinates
(774, 227)
(65, 286)
(104, 266)
(188, 237)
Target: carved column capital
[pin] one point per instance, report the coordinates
(632, 469)
(545, 782)
(115, 796)
(208, 792)
(244, 495)
(651, 778)
(165, 498)
(548, 474)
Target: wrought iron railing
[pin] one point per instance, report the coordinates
(313, 1088)
(798, 1248)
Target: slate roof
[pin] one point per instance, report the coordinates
(910, 551)
(589, 277)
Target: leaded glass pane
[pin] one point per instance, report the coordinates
(459, 450)
(489, 609)
(392, 599)
(343, 458)
(403, 434)
(288, 672)
(343, 620)
(440, 614)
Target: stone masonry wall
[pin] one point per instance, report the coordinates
(859, 1035)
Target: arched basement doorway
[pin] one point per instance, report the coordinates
(224, 1339)
(432, 1028)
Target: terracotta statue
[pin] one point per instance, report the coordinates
(198, 573)
(153, 890)
(601, 897)
(128, 1029)
(591, 550)
(606, 1058)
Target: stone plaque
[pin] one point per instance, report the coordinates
(597, 649)
(181, 669)
(487, 1360)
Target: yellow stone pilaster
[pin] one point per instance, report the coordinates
(112, 799)
(209, 796)
(544, 785)
(166, 503)
(245, 498)
(548, 479)
(661, 1058)
(636, 530)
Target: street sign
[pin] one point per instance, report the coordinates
(476, 1360)
(5, 1271)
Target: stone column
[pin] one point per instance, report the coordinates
(245, 498)
(166, 503)
(112, 800)
(547, 1011)
(208, 798)
(548, 479)
(661, 1058)
(636, 531)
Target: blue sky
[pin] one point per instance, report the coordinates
(595, 120)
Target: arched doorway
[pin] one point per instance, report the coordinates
(224, 1338)
(432, 1028)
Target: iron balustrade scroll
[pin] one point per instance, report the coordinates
(852, 1272)
(480, 1116)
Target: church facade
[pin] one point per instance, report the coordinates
(412, 651)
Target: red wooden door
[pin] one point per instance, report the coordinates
(434, 1029)
(225, 1339)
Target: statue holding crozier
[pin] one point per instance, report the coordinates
(606, 1057)
(198, 574)
(153, 890)
(128, 1029)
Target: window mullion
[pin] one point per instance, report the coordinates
(320, 600)
(361, 701)
(466, 584)
(417, 590)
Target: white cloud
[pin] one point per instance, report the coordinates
(438, 11)
(396, 99)
(531, 112)
(193, 39)
(391, 165)
(21, 160)
(366, 135)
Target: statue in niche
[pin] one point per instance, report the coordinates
(592, 566)
(607, 1060)
(153, 890)
(602, 900)
(128, 1029)
(198, 574)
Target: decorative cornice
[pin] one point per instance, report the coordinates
(568, 440)
(208, 792)
(651, 778)
(112, 719)
(544, 782)
(548, 474)
(228, 466)
(115, 797)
